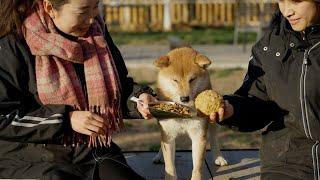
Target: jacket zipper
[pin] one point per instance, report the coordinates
(315, 159)
(302, 93)
(303, 96)
(304, 111)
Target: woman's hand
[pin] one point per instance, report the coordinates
(88, 123)
(223, 113)
(142, 108)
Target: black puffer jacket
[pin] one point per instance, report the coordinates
(26, 124)
(281, 91)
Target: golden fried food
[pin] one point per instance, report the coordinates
(208, 102)
(175, 108)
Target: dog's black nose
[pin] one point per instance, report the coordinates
(184, 99)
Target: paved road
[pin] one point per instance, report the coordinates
(222, 55)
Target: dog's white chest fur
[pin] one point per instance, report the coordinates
(175, 127)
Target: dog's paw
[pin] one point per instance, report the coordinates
(157, 160)
(220, 161)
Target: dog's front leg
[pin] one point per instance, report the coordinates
(199, 141)
(168, 150)
(168, 147)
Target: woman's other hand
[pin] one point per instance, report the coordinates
(143, 108)
(88, 123)
(223, 113)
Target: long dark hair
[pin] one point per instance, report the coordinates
(58, 3)
(12, 13)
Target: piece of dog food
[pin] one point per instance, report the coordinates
(175, 108)
(208, 102)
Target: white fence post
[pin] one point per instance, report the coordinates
(167, 25)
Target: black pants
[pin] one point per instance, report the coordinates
(113, 166)
(56, 162)
(114, 170)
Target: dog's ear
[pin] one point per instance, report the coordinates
(162, 62)
(202, 60)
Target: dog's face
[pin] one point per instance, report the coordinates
(182, 75)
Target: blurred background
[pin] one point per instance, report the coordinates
(223, 30)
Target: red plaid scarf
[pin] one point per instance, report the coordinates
(57, 81)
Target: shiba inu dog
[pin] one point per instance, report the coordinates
(182, 76)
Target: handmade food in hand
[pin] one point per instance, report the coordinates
(208, 102)
(175, 108)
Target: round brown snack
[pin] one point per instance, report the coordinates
(208, 102)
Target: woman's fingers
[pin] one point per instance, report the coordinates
(96, 117)
(95, 122)
(88, 123)
(95, 129)
(221, 114)
(88, 132)
(143, 108)
(147, 98)
(213, 117)
(98, 124)
(217, 116)
(144, 111)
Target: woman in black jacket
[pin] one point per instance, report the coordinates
(63, 91)
(281, 92)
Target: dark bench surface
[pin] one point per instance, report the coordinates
(243, 164)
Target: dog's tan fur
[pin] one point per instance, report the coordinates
(183, 73)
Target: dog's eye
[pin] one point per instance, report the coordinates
(191, 80)
(175, 80)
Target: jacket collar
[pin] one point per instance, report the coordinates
(283, 38)
(299, 40)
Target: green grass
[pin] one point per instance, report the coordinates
(152, 85)
(154, 147)
(127, 124)
(153, 126)
(224, 72)
(146, 83)
(240, 139)
(196, 36)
